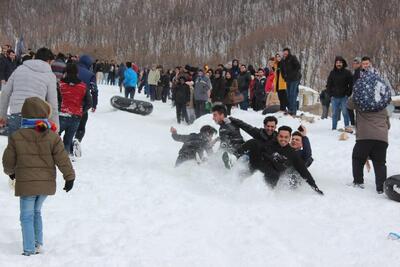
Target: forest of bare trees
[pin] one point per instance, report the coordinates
(171, 32)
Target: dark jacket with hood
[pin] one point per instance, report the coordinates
(181, 93)
(192, 143)
(291, 68)
(340, 81)
(244, 80)
(219, 91)
(88, 77)
(235, 69)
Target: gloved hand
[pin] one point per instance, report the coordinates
(12, 176)
(68, 185)
(316, 189)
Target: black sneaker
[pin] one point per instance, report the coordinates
(379, 191)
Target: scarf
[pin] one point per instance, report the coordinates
(39, 125)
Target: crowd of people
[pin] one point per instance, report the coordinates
(44, 96)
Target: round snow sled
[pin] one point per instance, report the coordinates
(131, 105)
(392, 187)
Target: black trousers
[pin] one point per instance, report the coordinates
(181, 113)
(130, 92)
(374, 150)
(351, 116)
(283, 99)
(257, 161)
(80, 133)
(164, 94)
(199, 108)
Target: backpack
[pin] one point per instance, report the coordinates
(371, 93)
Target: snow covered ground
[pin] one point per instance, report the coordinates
(131, 207)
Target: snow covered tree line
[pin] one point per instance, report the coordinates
(172, 32)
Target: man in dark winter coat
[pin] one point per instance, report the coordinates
(194, 143)
(264, 135)
(202, 87)
(89, 78)
(244, 80)
(339, 87)
(231, 139)
(259, 98)
(275, 159)
(219, 91)
(181, 96)
(291, 67)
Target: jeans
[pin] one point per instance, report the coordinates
(70, 126)
(244, 105)
(199, 108)
(31, 221)
(14, 123)
(130, 92)
(339, 104)
(153, 92)
(376, 151)
(292, 93)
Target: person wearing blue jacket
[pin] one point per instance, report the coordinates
(130, 81)
(89, 78)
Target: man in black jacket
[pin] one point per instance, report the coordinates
(231, 139)
(244, 79)
(264, 135)
(276, 158)
(194, 143)
(291, 73)
(339, 87)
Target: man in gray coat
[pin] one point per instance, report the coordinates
(202, 87)
(33, 78)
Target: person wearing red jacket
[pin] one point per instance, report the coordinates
(75, 100)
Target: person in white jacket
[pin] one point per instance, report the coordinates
(33, 78)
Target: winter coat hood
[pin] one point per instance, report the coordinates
(37, 65)
(339, 58)
(35, 108)
(86, 61)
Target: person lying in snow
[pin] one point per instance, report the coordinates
(274, 159)
(194, 143)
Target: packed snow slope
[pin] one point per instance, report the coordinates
(131, 207)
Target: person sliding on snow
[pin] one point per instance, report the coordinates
(194, 144)
(229, 133)
(301, 144)
(264, 135)
(275, 159)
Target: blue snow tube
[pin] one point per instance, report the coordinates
(392, 187)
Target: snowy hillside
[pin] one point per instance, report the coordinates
(131, 207)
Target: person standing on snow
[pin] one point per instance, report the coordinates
(33, 78)
(339, 87)
(202, 91)
(89, 78)
(372, 130)
(75, 101)
(290, 67)
(244, 79)
(181, 96)
(33, 185)
(130, 81)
